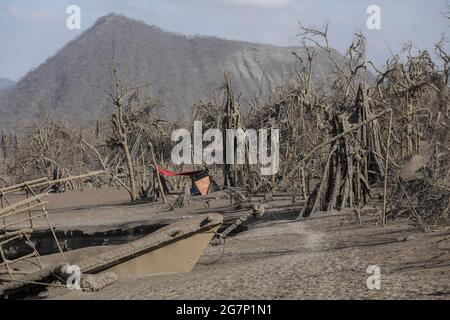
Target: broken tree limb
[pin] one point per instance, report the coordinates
(104, 166)
(258, 209)
(96, 282)
(337, 137)
(50, 182)
(410, 202)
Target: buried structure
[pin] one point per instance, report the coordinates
(174, 248)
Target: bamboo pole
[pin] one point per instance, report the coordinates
(23, 220)
(20, 186)
(21, 203)
(9, 234)
(27, 208)
(386, 170)
(49, 225)
(160, 186)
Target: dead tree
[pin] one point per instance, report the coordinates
(121, 129)
(225, 115)
(231, 120)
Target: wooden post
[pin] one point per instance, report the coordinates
(160, 186)
(386, 170)
(38, 198)
(302, 182)
(29, 209)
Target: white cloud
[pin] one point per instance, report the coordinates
(261, 3)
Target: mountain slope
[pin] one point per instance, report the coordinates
(179, 69)
(6, 83)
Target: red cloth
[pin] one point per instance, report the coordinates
(171, 173)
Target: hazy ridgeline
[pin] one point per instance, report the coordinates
(177, 68)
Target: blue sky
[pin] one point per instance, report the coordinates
(33, 30)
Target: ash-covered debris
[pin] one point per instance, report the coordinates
(423, 199)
